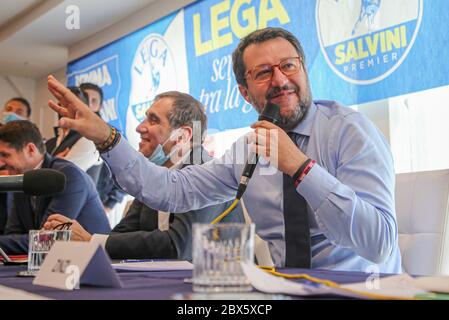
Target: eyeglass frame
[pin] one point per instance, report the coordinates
(63, 226)
(250, 72)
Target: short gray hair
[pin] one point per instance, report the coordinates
(256, 37)
(185, 111)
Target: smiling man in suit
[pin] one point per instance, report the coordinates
(22, 149)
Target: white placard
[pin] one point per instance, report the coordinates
(70, 263)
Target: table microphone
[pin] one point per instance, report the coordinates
(38, 182)
(270, 113)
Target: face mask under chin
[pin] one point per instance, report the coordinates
(159, 157)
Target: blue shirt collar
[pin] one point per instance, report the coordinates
(305, 126)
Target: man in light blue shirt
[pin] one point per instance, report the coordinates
(349, 191)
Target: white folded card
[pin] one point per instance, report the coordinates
(70, 263)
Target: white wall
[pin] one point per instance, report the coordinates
(419, 130)
(45, 118)
(36, 92)
(378, 112)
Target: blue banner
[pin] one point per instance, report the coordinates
(357, 51)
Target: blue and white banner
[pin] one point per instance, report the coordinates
(357, 51)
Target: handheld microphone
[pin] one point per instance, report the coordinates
(39, 182)
(272, 114)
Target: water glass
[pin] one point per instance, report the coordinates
(217, 252)
(40, 243)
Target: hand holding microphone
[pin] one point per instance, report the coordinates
(289, 156)
(279, 149)
(270, 113)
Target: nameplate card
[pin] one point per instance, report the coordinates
(69, 264)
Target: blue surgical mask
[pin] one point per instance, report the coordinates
(158, 156)
(11, 116)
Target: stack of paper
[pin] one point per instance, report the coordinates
(394, 287)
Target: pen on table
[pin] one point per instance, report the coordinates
(136, 260)
(146, 260)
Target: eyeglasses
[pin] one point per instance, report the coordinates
(63, 226)
(263, 73)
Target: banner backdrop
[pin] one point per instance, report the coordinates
(357, 51)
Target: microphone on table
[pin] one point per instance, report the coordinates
(38, 182)
(270, 113)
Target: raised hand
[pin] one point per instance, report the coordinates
(75, 114)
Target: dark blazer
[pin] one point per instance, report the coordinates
(3, 211)
(110, 194)
(137, 236)
(78, 201)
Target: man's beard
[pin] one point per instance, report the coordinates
(294, 117)
(291, 120)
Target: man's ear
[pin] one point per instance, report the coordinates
(182, 139)
(185, 135)
(30, 150)
(244, 93)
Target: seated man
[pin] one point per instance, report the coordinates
(143, 232)
(16, 109)
(22, 149)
